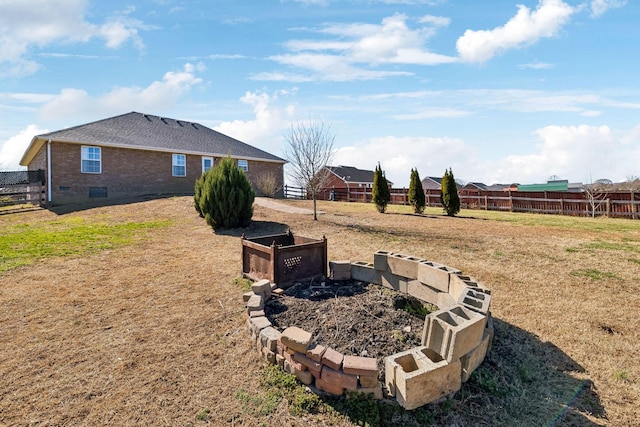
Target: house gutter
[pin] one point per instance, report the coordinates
(49, 171)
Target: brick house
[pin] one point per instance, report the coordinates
(343, 177)
(137, 154)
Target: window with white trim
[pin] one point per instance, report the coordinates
(91, 159)
(207, 163)
(179, 165)
(243, 164)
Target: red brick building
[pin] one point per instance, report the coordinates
(137, 154)
(343, 177)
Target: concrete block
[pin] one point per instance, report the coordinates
(474, 283)
(246, 296)
(423, 292)
(269, 337)
(454, 332)
(490, 330)
(458, 286)
(476, 301)
(391, 281)
(296, 339)
(445, 301)
(325, 386)
(332, 359)
(339, 378)
(474, 358)
(435, 275)
(376, 391)
(356, 365)
(315, 352)
(305, 377)
(403, 265)
(269, 355)
(255, 303)
(340, 270)
(368, 381)
(420, 376)
(365, 272)
(259, 313)
(258, 324)
(262, 287)
(380, 262)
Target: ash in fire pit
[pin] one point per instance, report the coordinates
(352, 317)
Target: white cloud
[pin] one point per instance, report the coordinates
(159, 94)
(355, 49)
(438, 21)
(536, 66)
(265, 129)
(397, 155)
(41, 23)
(524, 29)
(578, 153)
(599, 7)
(13, 148)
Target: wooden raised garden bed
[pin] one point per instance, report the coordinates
(283, 258)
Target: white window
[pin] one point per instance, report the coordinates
(179, 165)
(244, 165)
(91, 159)
(207, 163)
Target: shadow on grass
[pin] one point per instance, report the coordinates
(255, 229)
(522, 382)
(102, 202)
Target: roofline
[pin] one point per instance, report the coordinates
(37, 142)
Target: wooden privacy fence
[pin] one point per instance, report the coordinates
(621, 204)
(22, 187)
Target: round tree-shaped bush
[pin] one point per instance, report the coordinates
(224, 196)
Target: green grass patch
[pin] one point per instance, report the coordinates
(593, 274)
(242, 283)
(24, 244)
(621, 375)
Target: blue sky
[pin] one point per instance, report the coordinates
(500, 91)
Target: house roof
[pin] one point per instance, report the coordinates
(475, 186)
(147, 132)
(431, 182)
(351, 174)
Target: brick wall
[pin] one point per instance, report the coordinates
(127, 173)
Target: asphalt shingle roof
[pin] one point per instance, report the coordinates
(145, 131)
(352, 174)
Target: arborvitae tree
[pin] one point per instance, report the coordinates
(449, 194)
(197, 193)
(225, 197)
(380, 192)
(416, 192)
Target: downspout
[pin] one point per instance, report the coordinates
(49, 171)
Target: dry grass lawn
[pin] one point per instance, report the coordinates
(153, 332)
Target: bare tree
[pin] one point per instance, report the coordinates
(309, 150)
(596, 194)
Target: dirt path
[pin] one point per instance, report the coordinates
(272, 204)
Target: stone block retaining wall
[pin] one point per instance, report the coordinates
(455, 339)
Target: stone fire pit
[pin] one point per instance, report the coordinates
(454, 340)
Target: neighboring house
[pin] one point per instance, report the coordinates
(137, 154)
(343, 177)
(432, 183)
(473, 188)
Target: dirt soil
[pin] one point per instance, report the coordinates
(354, 318)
